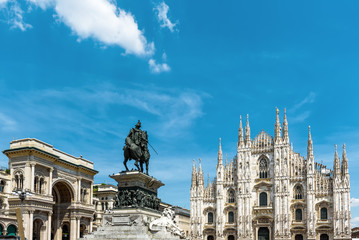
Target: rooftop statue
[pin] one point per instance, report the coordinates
(136, 148)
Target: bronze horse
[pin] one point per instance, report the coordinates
(140, 155)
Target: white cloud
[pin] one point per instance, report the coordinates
(354, 202)
(158, 67)
(103, 21)
(162, 10)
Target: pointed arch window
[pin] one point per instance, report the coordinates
(298, 192)
(323, 214)
(298, 214)
(263, 168)
(230, 196)
(230, 217)
(263, 201)
(210, 217)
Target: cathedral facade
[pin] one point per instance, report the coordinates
(268, 192)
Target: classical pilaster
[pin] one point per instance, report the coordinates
(32, 177)
(49, 189)
(78, 189)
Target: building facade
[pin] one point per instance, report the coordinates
(268, 191)
(61, 204)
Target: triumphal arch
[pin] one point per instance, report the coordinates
(60, 205)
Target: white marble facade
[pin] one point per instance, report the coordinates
(268, 191)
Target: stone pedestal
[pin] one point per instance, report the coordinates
(136, 213)
(137, 190)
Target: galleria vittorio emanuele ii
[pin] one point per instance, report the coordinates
(268, 191)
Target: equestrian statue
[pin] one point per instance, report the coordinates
(136, 148)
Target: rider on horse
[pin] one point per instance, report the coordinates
(136, 147)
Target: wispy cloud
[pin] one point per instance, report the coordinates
(295, 116)
(355, 221)
(162, 11)
(13, 14)
(7, 123)
(354, 202)
(173, 110)
(158, 67)
(310, 98)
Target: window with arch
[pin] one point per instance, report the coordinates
(230, 217)
(298, 214)
(324, 237)
(298, 192)
(299, 237)
(263, 200)
(210, 218)
(103, 206)
(230, 196)
(19, 180)
(263, 168)
(230, 237)
(39, 184)
(210, 237)
(2, 185)
(323, 213)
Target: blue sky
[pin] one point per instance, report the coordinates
(79, 74)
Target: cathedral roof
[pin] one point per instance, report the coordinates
(263, 142)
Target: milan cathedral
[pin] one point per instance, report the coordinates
(268, 191)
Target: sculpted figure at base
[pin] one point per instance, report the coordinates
(136, 148)
(167, 220)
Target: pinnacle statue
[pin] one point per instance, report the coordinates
(136, 148)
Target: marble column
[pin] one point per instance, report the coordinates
(91, 226)
(73, 233)
(78, 227)
(31, 224)
(49, 219)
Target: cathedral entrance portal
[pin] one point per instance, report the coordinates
(263, 233)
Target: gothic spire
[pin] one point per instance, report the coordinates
(277, 126)
(344, 162)
(240, 132)
(194, 174)
(310, 145)
(336, 163)
(285, 128)
(247, 137)
(220, 155)
(200, 174)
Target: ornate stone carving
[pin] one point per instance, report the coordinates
(167, 221)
